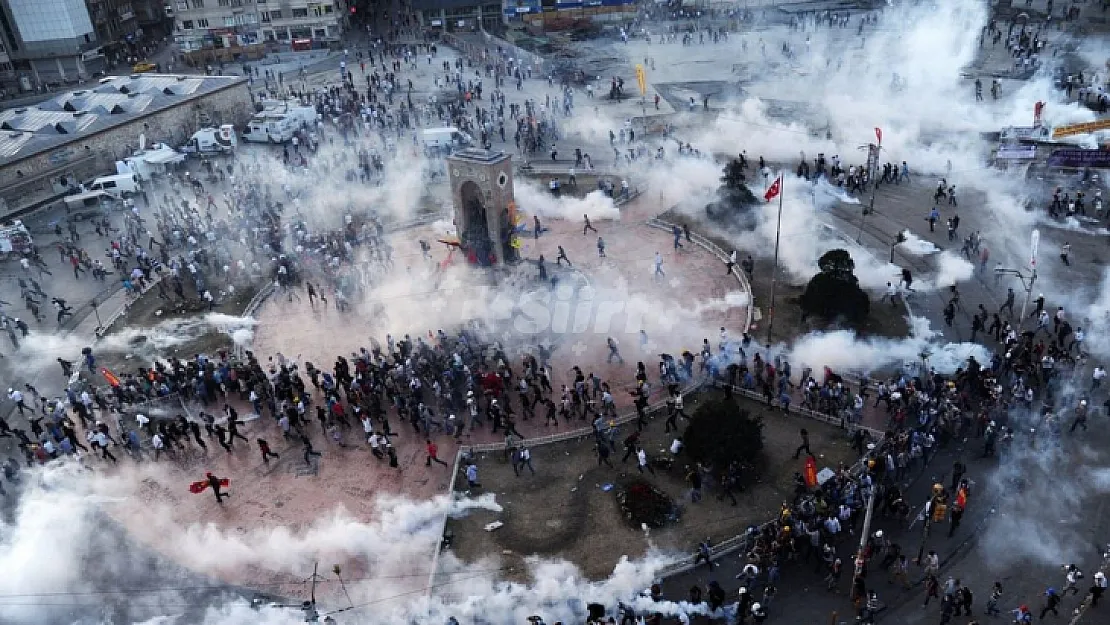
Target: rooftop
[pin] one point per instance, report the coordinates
(117, 100)
(478, 155)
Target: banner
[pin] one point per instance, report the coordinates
(1080, 129)
(1076, 157)
(1016, 152)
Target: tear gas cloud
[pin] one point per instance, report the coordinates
(39, 350)
(843, 350)
(65, 500)
(541, 202)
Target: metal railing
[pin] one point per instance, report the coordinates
(716, 250)
(111, 320)
(528, 442)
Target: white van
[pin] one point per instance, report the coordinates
(270, 128)
(118, 185)
(88, 203)
(445, 139)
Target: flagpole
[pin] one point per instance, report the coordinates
(775, 269)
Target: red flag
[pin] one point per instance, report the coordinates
(199, 487)
(879, 134)
(774, 189)
(109, 376)
(810, 472)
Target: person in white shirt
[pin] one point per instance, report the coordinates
(158, 445)
(642, 461)
(1096, 377)
(17, 397)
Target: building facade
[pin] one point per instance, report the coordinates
(201, 24)
(284, 21)
(114, 21)
(459, 15)
(48, 42)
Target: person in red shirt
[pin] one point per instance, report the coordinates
(433, 452)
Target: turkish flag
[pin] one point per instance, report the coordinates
(774, 189)
(201, 486)
(879, 134)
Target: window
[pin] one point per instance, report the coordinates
(327, 9)
(198, 4)
(187, 25)
(265, 17)
(275, 15)
(317, 10)
(223, 3)
(229, 21)
(202, 22)
(300, 13)
(182, 5)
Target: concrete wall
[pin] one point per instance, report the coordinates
(94, 154)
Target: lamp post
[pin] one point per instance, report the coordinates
(96, 311)
(900, 239)
(1027, 284)
(872, 169)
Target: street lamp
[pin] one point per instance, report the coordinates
(872, 171)
(900, 239)
(96, 311)
(1034, 244)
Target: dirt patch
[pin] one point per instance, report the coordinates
(150, 310)
(883, 321)
(569, 509)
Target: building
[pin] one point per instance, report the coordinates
(284, 21)
(203, 24)
(80, 134)
(460, 15)
(114, 21)
(153, 20)
(48, 42)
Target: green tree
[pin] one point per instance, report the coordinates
(834, 291)
(734, 200)
(720, 433)
(733, 178)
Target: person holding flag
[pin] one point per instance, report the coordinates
(213, 482)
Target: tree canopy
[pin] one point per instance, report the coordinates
(720, 433)
(735, 200)
(834, 291)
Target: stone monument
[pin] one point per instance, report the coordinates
(482, 193)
